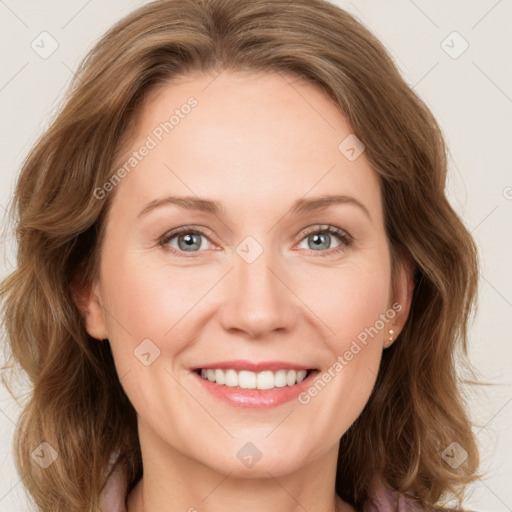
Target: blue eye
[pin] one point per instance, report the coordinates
(190, 240)
(319, 237)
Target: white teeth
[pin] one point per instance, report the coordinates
(250, 380)
(280, 379)
(291, 377)
(246, 380)
(265, 380)
(230, 378)
(219, 377)
(301, 375)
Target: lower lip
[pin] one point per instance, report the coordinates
(257, 398)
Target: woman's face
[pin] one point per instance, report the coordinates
(255, 285)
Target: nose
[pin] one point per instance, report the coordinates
(258, 299)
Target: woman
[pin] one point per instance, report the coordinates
(239, 280)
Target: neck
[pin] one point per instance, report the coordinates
(174, 482)
(136, 502)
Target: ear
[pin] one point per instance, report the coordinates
(87, 298)
(402, 293)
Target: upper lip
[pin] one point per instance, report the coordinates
(253, 366)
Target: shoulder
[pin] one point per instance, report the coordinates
(114, 493)
(386, 499)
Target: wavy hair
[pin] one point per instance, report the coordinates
(76, 402)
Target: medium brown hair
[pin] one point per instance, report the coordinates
(77, 403)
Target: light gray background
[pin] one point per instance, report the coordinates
(470, 96)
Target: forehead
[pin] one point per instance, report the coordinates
(252, 139)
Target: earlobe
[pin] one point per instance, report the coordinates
(88, 301)
(403, 290)
(95, 319)
(389, 342)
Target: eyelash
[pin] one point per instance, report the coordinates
(345, 238)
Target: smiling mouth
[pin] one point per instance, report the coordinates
(245, 379)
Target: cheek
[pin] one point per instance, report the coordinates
(148, 300)
(348, 299)
(354, 309)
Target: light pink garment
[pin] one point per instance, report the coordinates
(385, 500)
(389, 500)
(113, 495)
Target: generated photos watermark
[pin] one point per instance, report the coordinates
(356, 346)
(151, 142)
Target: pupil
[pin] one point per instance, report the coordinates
(322, 238)
(191, 240)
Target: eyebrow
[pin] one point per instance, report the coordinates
(300, 206)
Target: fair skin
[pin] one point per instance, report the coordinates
(255, 143)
